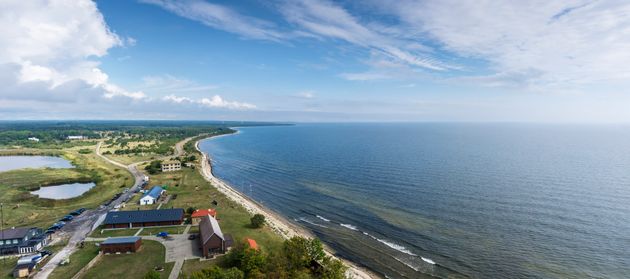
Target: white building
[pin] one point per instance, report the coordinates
(152, 196)
(171, 166)
(76, 137)
(33, 139)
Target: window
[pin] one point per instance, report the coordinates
(15, 241)
(1, 242)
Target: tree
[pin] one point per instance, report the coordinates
(152, 274)
(190, 210)
(258, 220)
(332, 269)
(301, 251)
(252, 260)
(217, 273)
(154, 167)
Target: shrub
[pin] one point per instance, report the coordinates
(258, 220)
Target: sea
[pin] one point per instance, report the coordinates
(446, 200)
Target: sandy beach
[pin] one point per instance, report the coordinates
(278, 223)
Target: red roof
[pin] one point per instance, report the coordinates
(204, 212)
(252, 244)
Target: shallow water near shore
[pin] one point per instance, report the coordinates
(446, 200)
(8, 163)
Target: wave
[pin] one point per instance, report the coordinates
(407, 264)
(348, 226)
(427, 260)
(392, 245)
(322, 218)
(311, 222)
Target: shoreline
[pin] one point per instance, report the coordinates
(278, 224)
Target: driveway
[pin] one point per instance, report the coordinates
(178, 247)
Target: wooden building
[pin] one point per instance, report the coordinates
(144, 218)
(121, 245)
(211, 239)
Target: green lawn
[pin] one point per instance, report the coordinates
(170, 230)
(193, 265)
(134, 265)
(6, 267)
(99, 232)
(78, 260)
(23, 209)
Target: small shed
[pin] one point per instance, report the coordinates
(152, 196)
(23, 270)
(121, 245)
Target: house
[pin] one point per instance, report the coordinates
(144, 218)
(76, 137)
(211, 238)
(152, 196)
(33, 139)
(23, 270)
(22, 240)
(115, 245)
(200, 213)
(171, 166)
(252, 243)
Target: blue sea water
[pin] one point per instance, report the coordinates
(447, 200)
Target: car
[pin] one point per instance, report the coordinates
(51, 230)
(77, 212)
(192, 237)
(162, 234)
(46, 252)
(67, 218)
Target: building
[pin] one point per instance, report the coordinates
(144, 218)
(152, 196)
(115, 245)
(252, 243)
(76, 137)
(200, 213)
(23, 270)
(22, 240)
(33, 139)
(171, 166)
(211, 239)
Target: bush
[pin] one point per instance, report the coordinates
(258, 220)
(152, 274)
(85, 151)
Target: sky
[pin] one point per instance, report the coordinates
(316, 60)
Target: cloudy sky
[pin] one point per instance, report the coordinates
(316, 60)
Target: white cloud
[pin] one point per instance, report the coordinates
(221, 17)
(215, 101)
(549, 42)
(308, 94)
(55, 43)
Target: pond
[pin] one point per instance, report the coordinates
(8, 163)
(64, 191)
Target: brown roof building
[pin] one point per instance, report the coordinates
(121, 245)
(211, 239)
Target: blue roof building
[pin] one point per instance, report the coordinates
(152, 196)
(144, 218)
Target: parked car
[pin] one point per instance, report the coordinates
(46, 252)
(192, 237)
(51, 230)
(67, 218)
(77, 212)
(162, 234)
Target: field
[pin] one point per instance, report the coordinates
(23, 209)
(134, 265)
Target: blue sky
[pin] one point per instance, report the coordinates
(315, 60)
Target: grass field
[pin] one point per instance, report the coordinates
(170, 230)
(23, 209)
(134, 265)
(113, 233)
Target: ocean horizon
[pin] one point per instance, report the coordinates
(446, 200)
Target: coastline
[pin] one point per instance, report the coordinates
(277, 223)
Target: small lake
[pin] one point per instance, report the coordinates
(64, 191)
(8, 163)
